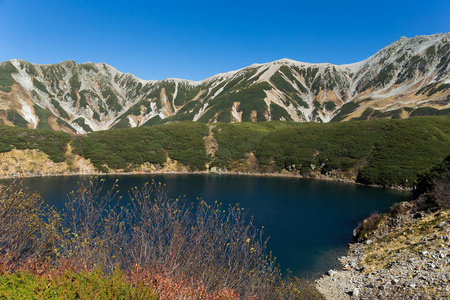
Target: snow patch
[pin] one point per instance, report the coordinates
(268, 73)
(153, 112)
(178, 80)
(353, 68)
(235, 114)
(218, 92)
(131, 122)
(22, 77)
(27, 113)
(161, 115)
(175, 94)
(275, 96)
(200, 112)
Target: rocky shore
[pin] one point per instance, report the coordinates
(35, 163)
(407, 256)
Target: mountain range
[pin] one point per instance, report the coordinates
(410, 77)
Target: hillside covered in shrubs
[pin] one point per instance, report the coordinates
(383, 152)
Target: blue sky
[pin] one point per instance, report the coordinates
(197, 39)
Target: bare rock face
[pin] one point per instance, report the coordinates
(36, 163)
(410, 77)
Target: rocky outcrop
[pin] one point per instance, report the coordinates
(33, 162)
(407, 256)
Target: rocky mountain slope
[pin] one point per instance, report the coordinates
(410, 77)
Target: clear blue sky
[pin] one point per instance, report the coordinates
(197, 39)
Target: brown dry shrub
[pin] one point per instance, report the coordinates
(441, 191)
(183, 250)
(366, 228)
(29, 230)
(216, 246)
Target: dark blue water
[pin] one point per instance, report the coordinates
(310, 222)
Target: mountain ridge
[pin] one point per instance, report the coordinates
(406, 78)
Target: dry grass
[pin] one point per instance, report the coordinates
(406, 241)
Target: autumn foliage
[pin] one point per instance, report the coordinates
(155, 245)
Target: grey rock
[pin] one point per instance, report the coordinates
(442, 224)
(331, 272)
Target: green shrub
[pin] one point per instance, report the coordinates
(330, 105)
(72, 285)
(43, 116)
(111, 100)
(53, 143)
(17, 119)
(61, 111)
(278, 113)
(424, 111)
(29, 229)
(344, 111)
(236, 140)
(123, 148)
(6, 80)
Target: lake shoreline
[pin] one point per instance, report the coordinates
(285, 207)
(412, 257)
(285, 175)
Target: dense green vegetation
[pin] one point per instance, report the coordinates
(430, 111)
(373, 114)
(127, 148)
(385, 152)
(51, 142)
(61, 111)
(238, 139)
(71, 285)
(39, 85)
(16, 119)
(345, 110)
(330, 105)
(6, 79)
(43, 116)
(279, 113)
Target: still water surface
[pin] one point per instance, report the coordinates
(309, 222)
